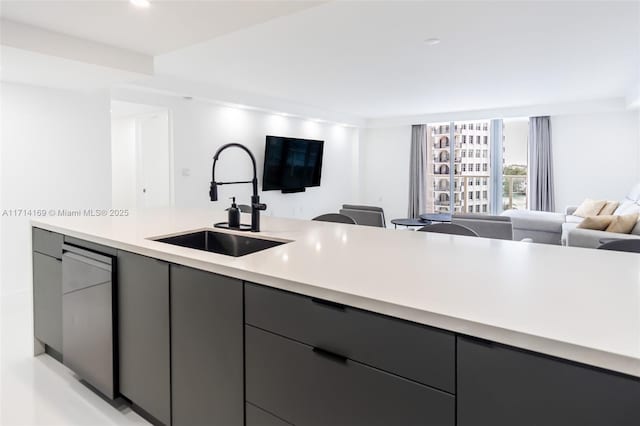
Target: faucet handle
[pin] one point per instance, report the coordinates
(259, 206)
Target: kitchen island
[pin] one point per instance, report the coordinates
(382, 326)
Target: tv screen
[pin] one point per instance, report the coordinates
(291, 164)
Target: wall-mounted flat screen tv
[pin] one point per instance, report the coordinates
(291, 164)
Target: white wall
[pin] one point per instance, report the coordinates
(200, 128)
(55, 155)
(123, 162)
(595, 156)
(384, 172)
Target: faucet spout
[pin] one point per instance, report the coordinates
(256, 206)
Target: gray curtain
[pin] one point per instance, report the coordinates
(541, 165)
(418, 171)
(496, 167)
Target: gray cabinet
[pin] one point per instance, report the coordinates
(207, 376)
(499, 385)
(306, 386)
(47, 302)
(144, 337)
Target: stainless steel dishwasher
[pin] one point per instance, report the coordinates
(88, 332)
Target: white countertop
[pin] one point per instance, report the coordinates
(573, 303)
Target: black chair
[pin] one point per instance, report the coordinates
(449, 228)
(335, 217)
(243, 208)
(365, 215)
(631, 246)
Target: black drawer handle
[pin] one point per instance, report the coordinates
(328, 304)
(330, 355)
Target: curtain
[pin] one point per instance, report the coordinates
(495, 203)
(418, 171)
(540, 165)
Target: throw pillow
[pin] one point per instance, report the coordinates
(599, 223)
(590, 207)
(623, 224)
(609, 208)
(627, 207)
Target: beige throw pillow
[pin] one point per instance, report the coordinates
(599, 223)
(609, 208)
(590, 207)
(623, 224)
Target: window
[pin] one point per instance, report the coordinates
(463, 165)
(485, 127)
(486, 140)
(515, 166)
(484, 208)
(485, 167)
(484, 181)
(485, 195)
(478, 209)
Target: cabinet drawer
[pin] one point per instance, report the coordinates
(417, 352)
(47, 242)
(307, 387)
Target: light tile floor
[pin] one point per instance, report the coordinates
(39, 390)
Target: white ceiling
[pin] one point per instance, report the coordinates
(37, 69)
(370, 59)
(366, 59)
(161, 28)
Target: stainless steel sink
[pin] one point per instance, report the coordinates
(221, 242)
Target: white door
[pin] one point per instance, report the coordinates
(154, 160)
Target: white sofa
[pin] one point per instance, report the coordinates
(540, 227)
(562, 228)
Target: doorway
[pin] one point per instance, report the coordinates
(141, 150)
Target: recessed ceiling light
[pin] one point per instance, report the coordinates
(140, 3)
(432, 41)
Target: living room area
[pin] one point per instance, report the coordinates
(600, 147)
